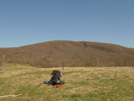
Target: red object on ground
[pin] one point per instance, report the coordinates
(59, 85)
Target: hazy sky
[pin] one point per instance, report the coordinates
(24, 22)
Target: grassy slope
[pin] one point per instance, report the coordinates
(82, 84)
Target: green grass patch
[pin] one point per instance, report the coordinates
(81, 84)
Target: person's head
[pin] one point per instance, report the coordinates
(54, 72)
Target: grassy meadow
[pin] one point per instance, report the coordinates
(81, 84)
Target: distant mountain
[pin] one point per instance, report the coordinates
(69, 53)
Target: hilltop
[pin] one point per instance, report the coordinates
(69, 53)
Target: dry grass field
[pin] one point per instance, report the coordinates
(81, 84)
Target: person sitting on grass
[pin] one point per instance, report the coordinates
(56, 78)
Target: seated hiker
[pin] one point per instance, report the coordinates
(56, 78)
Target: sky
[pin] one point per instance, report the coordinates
(25, 22)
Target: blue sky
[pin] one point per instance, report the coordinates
(24, 22)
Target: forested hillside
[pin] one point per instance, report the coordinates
(69, 53)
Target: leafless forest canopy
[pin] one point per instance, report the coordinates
(69, 53)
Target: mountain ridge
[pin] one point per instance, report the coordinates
(69, 53)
